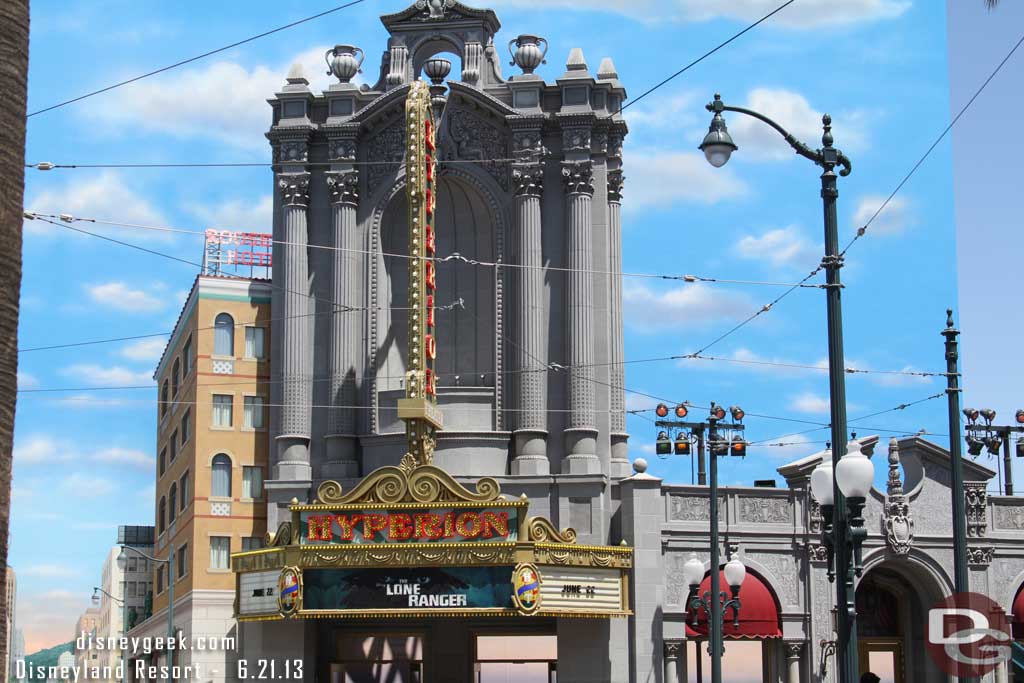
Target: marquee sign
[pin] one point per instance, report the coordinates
(419, 407)
(412, 526)
(430, 588)
(231, 250)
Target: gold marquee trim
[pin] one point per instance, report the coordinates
(424, 485)
(541, 529)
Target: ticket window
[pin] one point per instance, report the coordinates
(370, 659)
(516, 659)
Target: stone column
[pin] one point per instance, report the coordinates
(674, 649)
(346, 327)
(617, 374)
(581, 432)
(296, 366)
(531, 378)
(794, 651)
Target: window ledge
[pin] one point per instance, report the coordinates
(215, 428)
(212, 570)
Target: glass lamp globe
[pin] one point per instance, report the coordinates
(693, 571)
(717, 145)
(855, 473)
(821, 482)
(95, 598)
(735, 572)
(122, 560)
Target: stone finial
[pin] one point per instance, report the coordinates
(576, 61)
(296, 75)
(607, 72)
(639, 465)
(894, 485)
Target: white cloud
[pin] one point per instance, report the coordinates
(795, 114)
(86, 401)
(26, 380)
(220, 100)
(781, 247)
(237, 214)
(51, 571)
(808, 14)
(104, 197)
(41, 449)
(639, 402)
(82, 485)
(113, 376)
(681, 110)
(657, 178)
(124, 456)
(901, 380)
(795, 446)
(47, 617)
(689, 306)
(121, 296)
(893, 219)
(148, 350)
(811, 403)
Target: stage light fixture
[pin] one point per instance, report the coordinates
(661, 410)
(974, 445)
(971, 414)
(737, 413)
(681, 411)
(682, 444)
(663, 445)
(739, 447)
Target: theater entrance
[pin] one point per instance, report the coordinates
(449, 650)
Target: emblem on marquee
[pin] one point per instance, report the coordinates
(526, 588)
(289, 591)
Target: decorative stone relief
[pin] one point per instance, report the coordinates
(785, 575)
(578, 177)
(816, 520)
(896, 519)
(294, 150)
(615, 181)
(765, 510)
(675, 648)
(528, 144)
(528, 179)
(474, 138)
(615, 146)
(434, 9)
(599, 142)
(976, 500)
(294, 188)
(388, 145)
(676, 588)
(342, 149)
(981, 556)
(816, 552)
(1009, 516)
(343, 186)
(692, 509)
(576, 139)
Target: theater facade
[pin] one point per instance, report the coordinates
(451, 493)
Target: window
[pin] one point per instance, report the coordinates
(252, 542)
(129, 589)
(133, 564)
(143, 564)
(186, 357)
(186, 426)
(174, 445)
(252, 417)
(220, 485)
(254, 343)
(252, 482)
(164, 399)
(220, 548)
(176, 377)
(160, 579)
(224, 335)
(163, 461)
(172, 503)
(162, 515)
(182, 559)
(183, 489)
(222, 410)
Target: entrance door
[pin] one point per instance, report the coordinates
(882, 657)
(516, 658)
(391, 658)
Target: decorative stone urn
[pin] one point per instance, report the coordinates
(437, 69)
(342, 62)
(528, 55)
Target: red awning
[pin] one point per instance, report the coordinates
(1017, 612)
(759, 611)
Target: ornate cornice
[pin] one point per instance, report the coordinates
(426, 484)
(294, 188)
(343, 186)
(578, 177)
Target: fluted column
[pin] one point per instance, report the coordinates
(296, 366)
(793, 653)
(581, 432)
(674, 649)
(617, 375)
(346, 331)
(531, 368)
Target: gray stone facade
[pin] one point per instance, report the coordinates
(530, 380)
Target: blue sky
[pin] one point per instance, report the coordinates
(878, 66)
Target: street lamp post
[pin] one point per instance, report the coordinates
(122, 562)
(718, 147)
(123, 603)
(714, 602)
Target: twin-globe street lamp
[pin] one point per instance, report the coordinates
(854, 479)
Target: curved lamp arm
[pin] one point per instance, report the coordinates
(117, 600)
(828, 158)
(148, 557)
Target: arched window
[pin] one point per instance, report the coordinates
(172, 500)
(162, 515)
(224, 335)
(175, 377)
(220, 483)
(164, 397)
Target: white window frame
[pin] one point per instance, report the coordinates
(263, 413)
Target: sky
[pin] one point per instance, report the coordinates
(84, 458)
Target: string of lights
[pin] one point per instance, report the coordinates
(197, 57)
